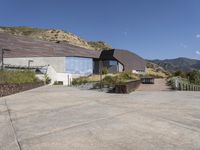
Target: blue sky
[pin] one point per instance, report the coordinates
(151, 28)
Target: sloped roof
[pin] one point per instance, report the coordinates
(21, 46)
(27, 47)
(129, 60)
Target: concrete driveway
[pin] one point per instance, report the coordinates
(63, 118)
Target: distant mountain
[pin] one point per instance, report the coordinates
(55, 35)
(182, 64)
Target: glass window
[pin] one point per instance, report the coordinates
(113, 63)
(79, 65)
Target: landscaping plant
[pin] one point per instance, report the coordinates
(17, 77)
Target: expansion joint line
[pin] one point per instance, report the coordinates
(12, 126)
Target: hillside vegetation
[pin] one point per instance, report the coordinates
(55, 35)
(155, 70)
(178, 64)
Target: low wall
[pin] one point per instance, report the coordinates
(8, 89)
(127, 87)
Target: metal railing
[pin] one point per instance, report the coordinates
(181, 84)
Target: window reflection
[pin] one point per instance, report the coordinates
(79, 65)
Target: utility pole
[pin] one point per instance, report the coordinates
(3, 50)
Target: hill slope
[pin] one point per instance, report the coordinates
(55, 35)
(182, 64)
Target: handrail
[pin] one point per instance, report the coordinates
(180, 84)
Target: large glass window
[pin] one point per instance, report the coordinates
(113, 63)
(79, 65)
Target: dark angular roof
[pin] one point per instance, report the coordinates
(129, 60)
(27, 47)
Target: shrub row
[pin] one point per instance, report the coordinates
(17, 77)
(108, 79)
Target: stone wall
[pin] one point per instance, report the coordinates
(8, 89)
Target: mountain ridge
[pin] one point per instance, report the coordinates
(178, 64)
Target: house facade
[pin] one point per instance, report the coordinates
(62, 61)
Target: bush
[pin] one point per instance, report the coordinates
(110, 80)
(47, 79)
(107, 79)
(180, 74)
(126, 76)
(18, 77)
(79, 81)
(119, 78)
(155, 74)
(194, 77)
(105, 70)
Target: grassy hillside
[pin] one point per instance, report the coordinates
(182, 64)
(55, 35)
(155, 70)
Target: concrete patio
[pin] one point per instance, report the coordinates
(64, 118)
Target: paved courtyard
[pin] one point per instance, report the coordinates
(63, 118)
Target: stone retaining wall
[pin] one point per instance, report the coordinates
(8, 89)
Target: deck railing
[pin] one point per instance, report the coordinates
(180, 84)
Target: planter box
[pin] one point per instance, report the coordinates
(8, 89)
(127, 87)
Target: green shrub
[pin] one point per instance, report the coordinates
(110, 80)
(47, 79)
(105, 70)
(119, 78)
(126, 76)
(194, 77)
(180, 74)
(17, 77)
(79, 81)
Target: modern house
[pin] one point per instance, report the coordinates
(62, 61)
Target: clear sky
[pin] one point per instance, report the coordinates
(151, 28)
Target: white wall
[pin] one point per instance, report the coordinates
(58, 63)
(121, 67)
(55, 71)
(54, 76)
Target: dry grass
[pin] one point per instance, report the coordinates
(156, 74)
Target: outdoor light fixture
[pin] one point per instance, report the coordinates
(3, 50)
(29, 63)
